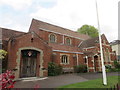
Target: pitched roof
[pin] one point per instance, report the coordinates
(115, 42)
(46, 26)
(64, 47)
(91, 42)
(8, 33)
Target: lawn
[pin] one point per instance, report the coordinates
(97, 83)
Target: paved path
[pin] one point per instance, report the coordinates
(57, 81)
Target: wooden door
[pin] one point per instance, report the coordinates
(28, 68)
(95, 66)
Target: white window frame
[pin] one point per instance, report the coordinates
(66, 41)
(64, 61)
(50, 38)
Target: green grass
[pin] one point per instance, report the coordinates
(97, 83)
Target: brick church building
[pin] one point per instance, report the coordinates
(29, 53)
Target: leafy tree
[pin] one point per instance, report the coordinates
(88, 30)
(3, 62)
(3, 53)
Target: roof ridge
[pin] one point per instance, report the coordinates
(60, 27)
(12, 30)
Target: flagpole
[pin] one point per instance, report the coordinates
(101, 50)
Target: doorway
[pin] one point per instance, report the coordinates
(28, 63)
(95, 62)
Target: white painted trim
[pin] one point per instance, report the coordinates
(63, 39)
(80, 43)
(67, 51)
(77, 59)
(91, 67)
(60, 33)
(32, 79)
(89, 47)
(68, 59)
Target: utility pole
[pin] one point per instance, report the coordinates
(101, 50)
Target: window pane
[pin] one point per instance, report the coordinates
(64, 59)
(68, 41)
(52, 38)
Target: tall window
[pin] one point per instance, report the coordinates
(64, 59)
(108, 55)
(68, 41)
(52, 38)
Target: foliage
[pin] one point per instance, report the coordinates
(7, 80)
(116, 64)
(89, 30)
(59, 69)
(54, 69)
(108, 66)
(111, 69)
(80, 68)
(97, 83)
(3, 53)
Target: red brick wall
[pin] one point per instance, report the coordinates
(72, 59)
(45, 35)
(25, 41)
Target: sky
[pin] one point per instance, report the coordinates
(71, 14)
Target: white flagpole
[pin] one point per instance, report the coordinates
(101, 50)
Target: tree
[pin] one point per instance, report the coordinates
(88, 30)
(3, 53)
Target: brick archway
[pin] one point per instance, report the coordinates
(19, 59)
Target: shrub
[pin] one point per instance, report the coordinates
(59, 69)
(54, 69)
(3, 53)
(3, 61)
(113, 70)
(80, 68)
(116, 64)
(110, 69)
(7, 80)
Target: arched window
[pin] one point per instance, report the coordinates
(52, 38)
(68, 41)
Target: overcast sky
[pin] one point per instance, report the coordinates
(71, 14)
